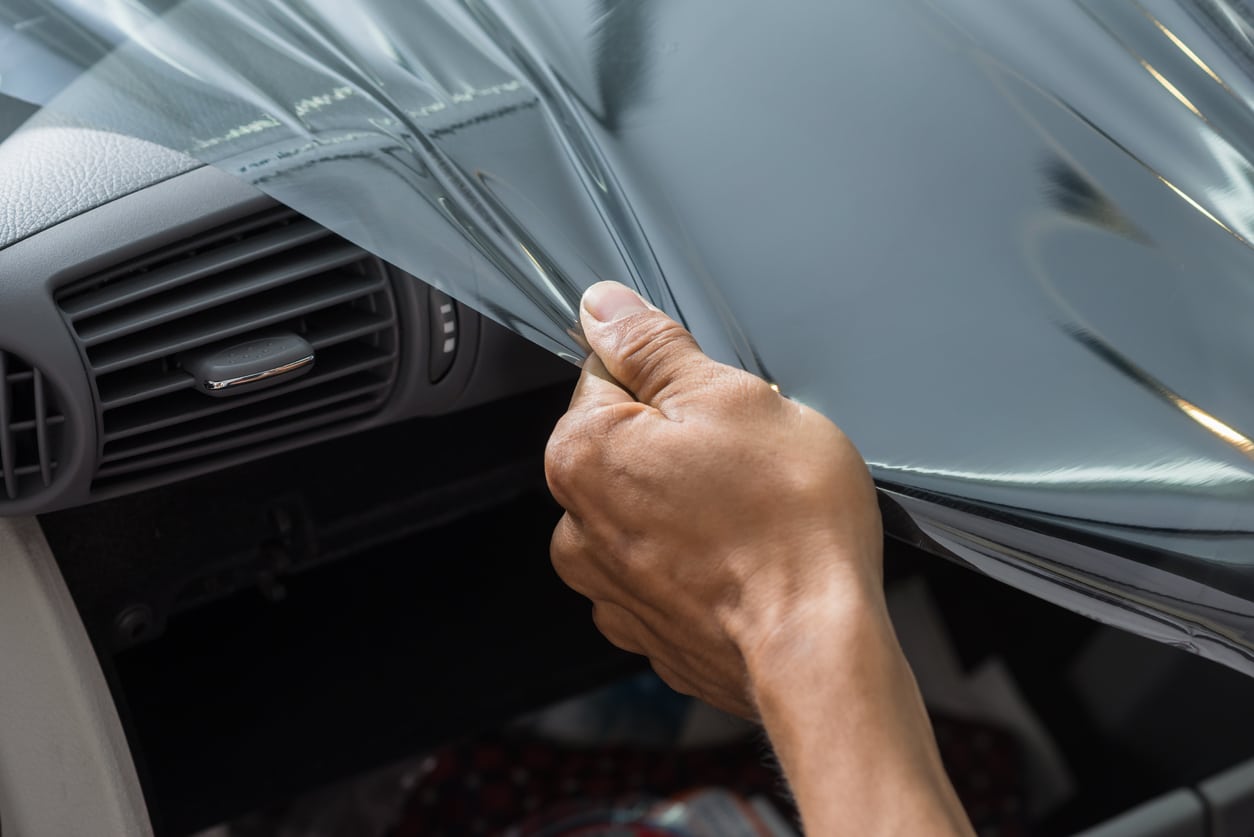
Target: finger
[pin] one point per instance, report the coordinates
(562, 463)
(651, 355)
(671, 677)
(568, 554)
(619, 626)
(597, 388)
(717, 696)
(577, 564)
(579, 451)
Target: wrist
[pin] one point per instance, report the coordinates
(835, 629)
(838, 701)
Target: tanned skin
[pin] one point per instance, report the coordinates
(732, 536)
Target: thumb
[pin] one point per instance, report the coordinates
(597, 388)
(651, 355)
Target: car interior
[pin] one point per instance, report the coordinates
(294, 580)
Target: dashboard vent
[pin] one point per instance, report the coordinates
(278, 272)
(30, 429)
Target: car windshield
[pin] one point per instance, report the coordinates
(1010, 254)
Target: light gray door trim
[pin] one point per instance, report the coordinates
(65, 767)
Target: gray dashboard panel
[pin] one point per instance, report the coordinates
(493, 364)
(51, 171)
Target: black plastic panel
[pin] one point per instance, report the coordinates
(275, 626)
(30, 429)
(105, 303)
(272, 274)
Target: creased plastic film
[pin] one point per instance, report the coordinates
(402, 126)
(1008, 247)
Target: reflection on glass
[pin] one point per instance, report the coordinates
(850, 195)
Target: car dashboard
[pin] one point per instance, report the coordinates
(127, 266)
(293, 487)
(285, 570)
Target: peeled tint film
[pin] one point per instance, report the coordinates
(401, 126)
(1005, 246)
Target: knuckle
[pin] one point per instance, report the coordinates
(726, 389)
(566, 448)
(750, 389)
(671, 678)
(614, 625)
(601, 619)
(580, 452)
(564, 547)
(655, 346)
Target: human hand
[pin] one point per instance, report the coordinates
(713, 523)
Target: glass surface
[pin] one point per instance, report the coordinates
(1006, 246)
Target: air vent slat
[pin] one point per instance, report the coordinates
(32, 470)
(267, 309)
(351, 326)
(256, 282)
(142, 387)
(7, 460)
(188, 300)
(263, 434)
(332, 393)
(190, 269)
(191, 405)
(41, 429)
(30, 429)
(22, 426)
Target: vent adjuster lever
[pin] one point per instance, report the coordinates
(249, 364)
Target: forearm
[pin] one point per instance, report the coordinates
(717, 527)
(844, 715)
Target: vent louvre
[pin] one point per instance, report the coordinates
(273, 272)
(31, 429)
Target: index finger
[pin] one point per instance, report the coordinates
(597, 387)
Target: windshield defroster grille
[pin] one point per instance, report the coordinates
(278, 272)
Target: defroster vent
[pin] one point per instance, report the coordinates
(30, 429)
(273, 274)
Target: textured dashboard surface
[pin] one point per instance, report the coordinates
(51, 170)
